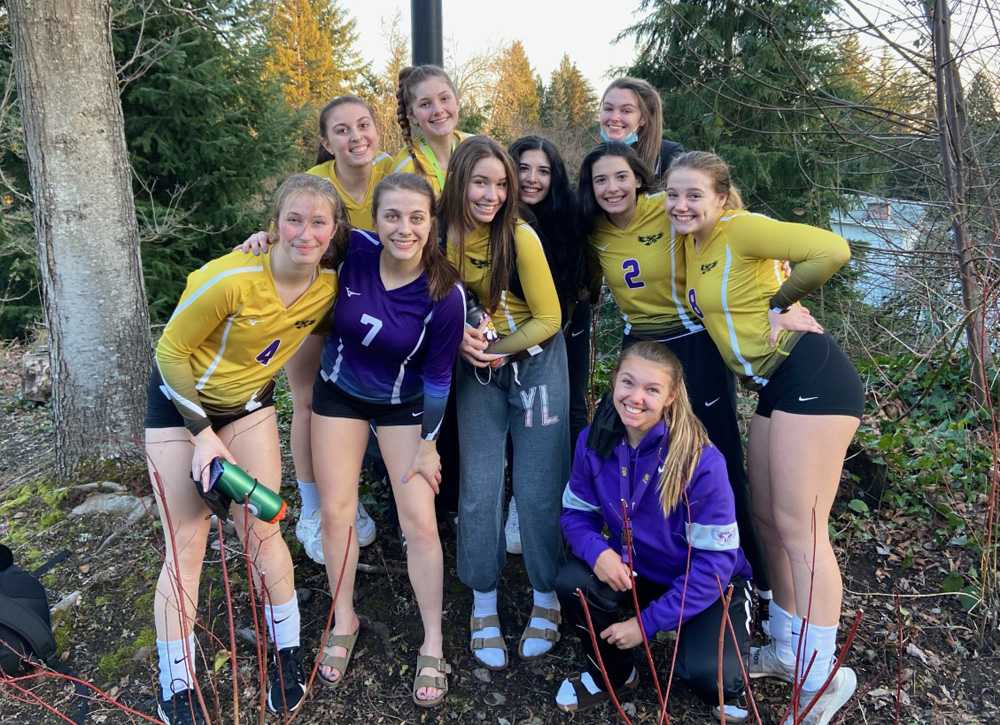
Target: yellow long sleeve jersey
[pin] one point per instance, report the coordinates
(736, 276)
(522, 323)
(230, 334)
(434, 173)
(643, 265)
(359, 213)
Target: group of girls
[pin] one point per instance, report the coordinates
(460, 268)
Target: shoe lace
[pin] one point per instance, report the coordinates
(289, 673)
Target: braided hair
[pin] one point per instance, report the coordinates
(409, 78)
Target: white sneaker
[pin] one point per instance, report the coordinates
(308, 527)
(844, 683)
(512, 529)
(764, 662)
(364, 527)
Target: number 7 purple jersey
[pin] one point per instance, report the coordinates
(392, 346)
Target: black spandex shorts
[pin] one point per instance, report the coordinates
(332, 402)
(162, 413)
(815, 379)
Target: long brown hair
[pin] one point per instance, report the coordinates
(715, 169)
(687, 435)
(409, 78)
(441, 276)
(651, 110)
(322, 154)
(318, 186)
(456, 211)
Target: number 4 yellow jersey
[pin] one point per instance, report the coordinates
(230, 335)
(643, 266)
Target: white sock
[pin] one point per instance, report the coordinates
(283, 623)
(781, 633)
(534, 646)
(174, 674)
(483, 605)
(822, 641)
(310, 498)
(567, 695)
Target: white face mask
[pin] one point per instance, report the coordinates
(628, 140)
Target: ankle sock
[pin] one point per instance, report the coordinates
(175, 671)
(310, 498)
(483, 605)
(781, 633)
(283, 623)
(567, 695)
(822, 641)
(533, 646)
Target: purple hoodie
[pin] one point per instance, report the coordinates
(704, 519)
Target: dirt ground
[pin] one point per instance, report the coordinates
(917, 648)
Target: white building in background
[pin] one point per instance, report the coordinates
(878, 227)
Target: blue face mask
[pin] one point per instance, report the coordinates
(628, 140)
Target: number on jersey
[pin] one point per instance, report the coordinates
(631, 269)
(265, 355)
(376, 325)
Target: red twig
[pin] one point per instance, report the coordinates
(899, 659)
(227, 590)
(743, 669)
(627, 541)
(600, 660)
(721, 651)
(36, 700)
(43, 672)
(800, 681)
(664, 718)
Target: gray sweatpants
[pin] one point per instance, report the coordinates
(531, 400)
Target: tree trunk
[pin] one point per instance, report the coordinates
(88, 248)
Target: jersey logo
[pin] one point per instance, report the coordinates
(302, 324)
(706, 268)
(265, 355)
(350, 294)
(479, 263)
(649, 240)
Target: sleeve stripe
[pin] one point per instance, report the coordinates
(179, 399)
(375, 242)
(402, 164)
(714, 537)
(200, 385)
(571, 501)
(211, 283)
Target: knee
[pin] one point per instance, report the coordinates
(421, 532)
(338, 505)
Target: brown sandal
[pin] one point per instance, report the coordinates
(585, 699)
(478, 643)
(338, 662)
(439, 682)
(549, 635)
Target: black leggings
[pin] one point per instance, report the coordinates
(697, 652)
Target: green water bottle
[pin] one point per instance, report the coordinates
(240, 486)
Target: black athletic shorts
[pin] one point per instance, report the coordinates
(815, 379)
(162, 413)
(332, 402)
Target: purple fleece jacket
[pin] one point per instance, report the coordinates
(704, 520)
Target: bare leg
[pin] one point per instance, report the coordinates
(338, 449)
(424, 560)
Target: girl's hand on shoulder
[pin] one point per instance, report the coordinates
(207, 447)
(623, 635)
(611, 570)
(257, 244)
(796, 319)
(426, 465)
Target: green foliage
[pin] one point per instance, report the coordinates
(569, 100)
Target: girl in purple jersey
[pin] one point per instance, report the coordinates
(388, 359)
(686, 545)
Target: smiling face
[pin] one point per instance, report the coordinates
(534, 176)
(615, 186)
(693, 205)
(620, 113)
(403, 223)
(434, 108)
(487, 189)
(643, 391)
(351, 136)
(306, 224)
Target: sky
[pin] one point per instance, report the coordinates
(583, 28)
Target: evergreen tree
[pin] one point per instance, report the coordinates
(515, 105)
(301, 56)
(380, 90)
(569, 99)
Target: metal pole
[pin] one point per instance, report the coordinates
(425, 22)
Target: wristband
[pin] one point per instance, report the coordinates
(779, 310)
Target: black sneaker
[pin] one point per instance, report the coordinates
(181, 709)
(288, 681)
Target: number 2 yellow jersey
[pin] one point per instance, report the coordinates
(230, 335)
(737, 275)
(643, 266)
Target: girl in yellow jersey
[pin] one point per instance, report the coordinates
(512, 378)
(643, 265)
(239, 320)
(810, 404)
(427, 98)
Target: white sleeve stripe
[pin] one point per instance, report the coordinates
(173, 395)
(571, 501)
(369, 237)
(713, 537)
(211, 283)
